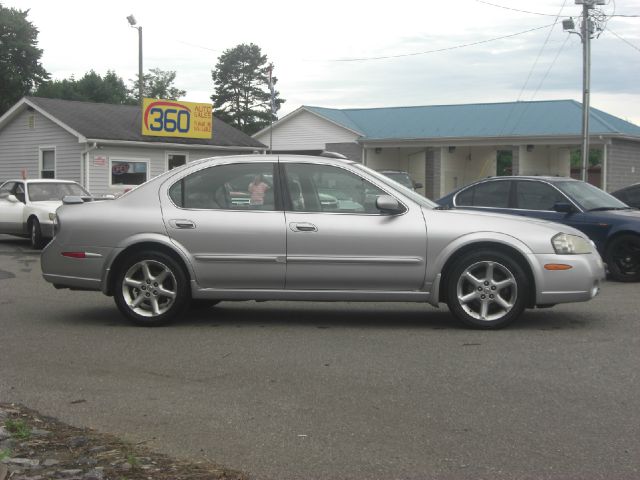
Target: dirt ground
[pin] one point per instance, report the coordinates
(35, 447)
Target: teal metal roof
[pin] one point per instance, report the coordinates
(517, 119)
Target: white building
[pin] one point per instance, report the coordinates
(99, 145)
(448, 146)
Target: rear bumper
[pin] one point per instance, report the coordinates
(78, 273)
(580, 283)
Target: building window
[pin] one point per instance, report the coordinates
(175, 160)
(48, 163)
(129, 172)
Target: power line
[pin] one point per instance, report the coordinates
(543, 14)
(550, 66)
(544, 44)
(624, 40)
(515, 9)
(198, 46)
(526, 82)
(439, 49)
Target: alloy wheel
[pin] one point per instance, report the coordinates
(149, 288)
(487, 290)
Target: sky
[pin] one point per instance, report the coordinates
(327, 53)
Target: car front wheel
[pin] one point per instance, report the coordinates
(35, 234)
(486, 289)
(623, 258)
(151, 289)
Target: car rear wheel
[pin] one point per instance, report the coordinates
(623, 258)
(35, 234)
(486, 289)
(151, 289)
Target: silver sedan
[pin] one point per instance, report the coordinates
(262, 227)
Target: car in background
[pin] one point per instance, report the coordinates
(402, 177)
(27, 207)
(181, 239)
(629, 195)
(612, 225)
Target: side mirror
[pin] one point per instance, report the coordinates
(388, 204)
(72, 200)
(12, 198)
(417, 185)
(563, 207)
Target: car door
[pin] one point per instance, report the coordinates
(534, 198)
(12, 212)
(235, 233)
(337, 239)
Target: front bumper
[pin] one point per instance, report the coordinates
(580, 283)
(46, 229)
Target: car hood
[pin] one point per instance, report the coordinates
(628, 215)
(48, 206)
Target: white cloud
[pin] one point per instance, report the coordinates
(302, 37)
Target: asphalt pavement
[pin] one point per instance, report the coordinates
(285, 390)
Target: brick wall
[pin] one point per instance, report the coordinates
(623, 164)
(433, 173)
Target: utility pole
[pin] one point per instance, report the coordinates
(586, 31)
(586, 86)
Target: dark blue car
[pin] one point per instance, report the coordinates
(612, 225)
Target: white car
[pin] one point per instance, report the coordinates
(28, 207)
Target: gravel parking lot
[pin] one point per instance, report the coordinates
(284, 390)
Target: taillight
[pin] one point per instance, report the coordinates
(74, 254)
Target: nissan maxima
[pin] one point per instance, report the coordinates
(183, 238)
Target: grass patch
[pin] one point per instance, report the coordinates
(5, 454)
(18, 429)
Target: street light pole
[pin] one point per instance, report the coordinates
(132, 22)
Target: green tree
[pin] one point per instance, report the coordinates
(157, 84)
(92, 87)
(242, 97)
(20, 67)
(595, 157)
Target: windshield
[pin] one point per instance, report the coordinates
(400, 177)
(590, 197)
(406, 191)
(50, 191)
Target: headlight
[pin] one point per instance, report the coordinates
(52, 216)
(565, 244)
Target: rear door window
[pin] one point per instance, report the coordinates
(487, 194)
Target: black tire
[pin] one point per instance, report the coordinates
(486, 289)
(623, 258)
(35, 234)
(143, 300)
(203, 303)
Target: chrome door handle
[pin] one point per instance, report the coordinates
(303, 227)
(182, 224)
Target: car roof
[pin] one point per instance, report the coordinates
(39, 180)
(547, 178)
(633, 185)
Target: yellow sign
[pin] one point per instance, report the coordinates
(173, 118)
